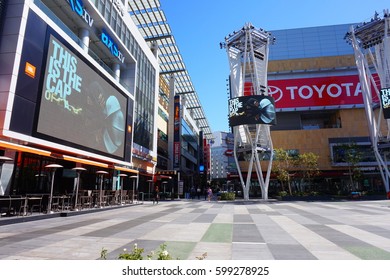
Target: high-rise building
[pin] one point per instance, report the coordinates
(75, 78)
(222, 162)
(183, 129)
(82, 85)
(312, 76)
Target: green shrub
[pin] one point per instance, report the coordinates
(228, 196)
(283, 193)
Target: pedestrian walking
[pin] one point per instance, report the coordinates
(198, 192)
(193, 191)
(156, 195)
(209, 194)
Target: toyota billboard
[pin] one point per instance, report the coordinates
(316, 92)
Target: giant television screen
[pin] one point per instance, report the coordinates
(78, 105)
(253, 109)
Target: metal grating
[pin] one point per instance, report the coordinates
(151, 22)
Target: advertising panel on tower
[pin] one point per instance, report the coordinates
(254, 109)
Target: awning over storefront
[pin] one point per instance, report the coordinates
(85, 161)
(21, 148)
(27, 149)
(125, 169)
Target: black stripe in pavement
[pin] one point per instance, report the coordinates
(290, 252)
(246, 233)
(349, 243)
(199, 210)
(255, 211)
(375, 230)
(8, 247)
(47, 231)
(218, 205)
(314, 217)
(114, 229)
(205, 218)
(242, 218)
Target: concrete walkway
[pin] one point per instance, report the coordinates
(346, 230)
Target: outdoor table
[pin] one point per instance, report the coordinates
(31, 201)
(85, 201)
(15, 203)
(65, 202)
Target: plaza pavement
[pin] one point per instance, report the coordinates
(255, 230)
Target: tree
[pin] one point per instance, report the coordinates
(350, 154)
(307, 163)
(282, 165)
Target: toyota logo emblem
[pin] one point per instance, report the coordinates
(275, 92)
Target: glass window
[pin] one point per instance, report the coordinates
(107, 11)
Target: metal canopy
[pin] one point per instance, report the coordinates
(151, 22)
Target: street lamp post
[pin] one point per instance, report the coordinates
(150, 182)
(121, 176)
(101, 174)
(3, 159)
(134, 177)
(78, 170)
(53, 167)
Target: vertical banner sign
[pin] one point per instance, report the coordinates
(385, 101)
(176, 134)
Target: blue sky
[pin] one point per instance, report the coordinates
(200, 25)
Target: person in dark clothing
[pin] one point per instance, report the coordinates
(156, 195)
(193, 192)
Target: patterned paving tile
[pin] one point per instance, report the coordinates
(222, 230)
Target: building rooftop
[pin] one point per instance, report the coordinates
(310, 42)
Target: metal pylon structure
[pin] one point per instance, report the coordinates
(247, 51)
(371, 44)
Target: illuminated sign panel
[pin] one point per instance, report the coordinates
(255, 109)
(78, 7)
(176, 133)
(385, 101)
(78, 105)
(318, 91)
(110, 44)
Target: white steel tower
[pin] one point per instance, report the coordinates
(251, 110)
(371, 44)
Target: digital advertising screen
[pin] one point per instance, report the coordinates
(254, 109)
(78, 105)
(385, 101)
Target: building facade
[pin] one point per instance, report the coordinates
(313, 78)
(183, 130)
(79, 87)
(222, 161)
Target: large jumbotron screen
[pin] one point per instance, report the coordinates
(253, 109)
(78, 105)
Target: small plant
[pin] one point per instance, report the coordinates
(103, 254)
(163, 254)
(135, 254)
(202, 257)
